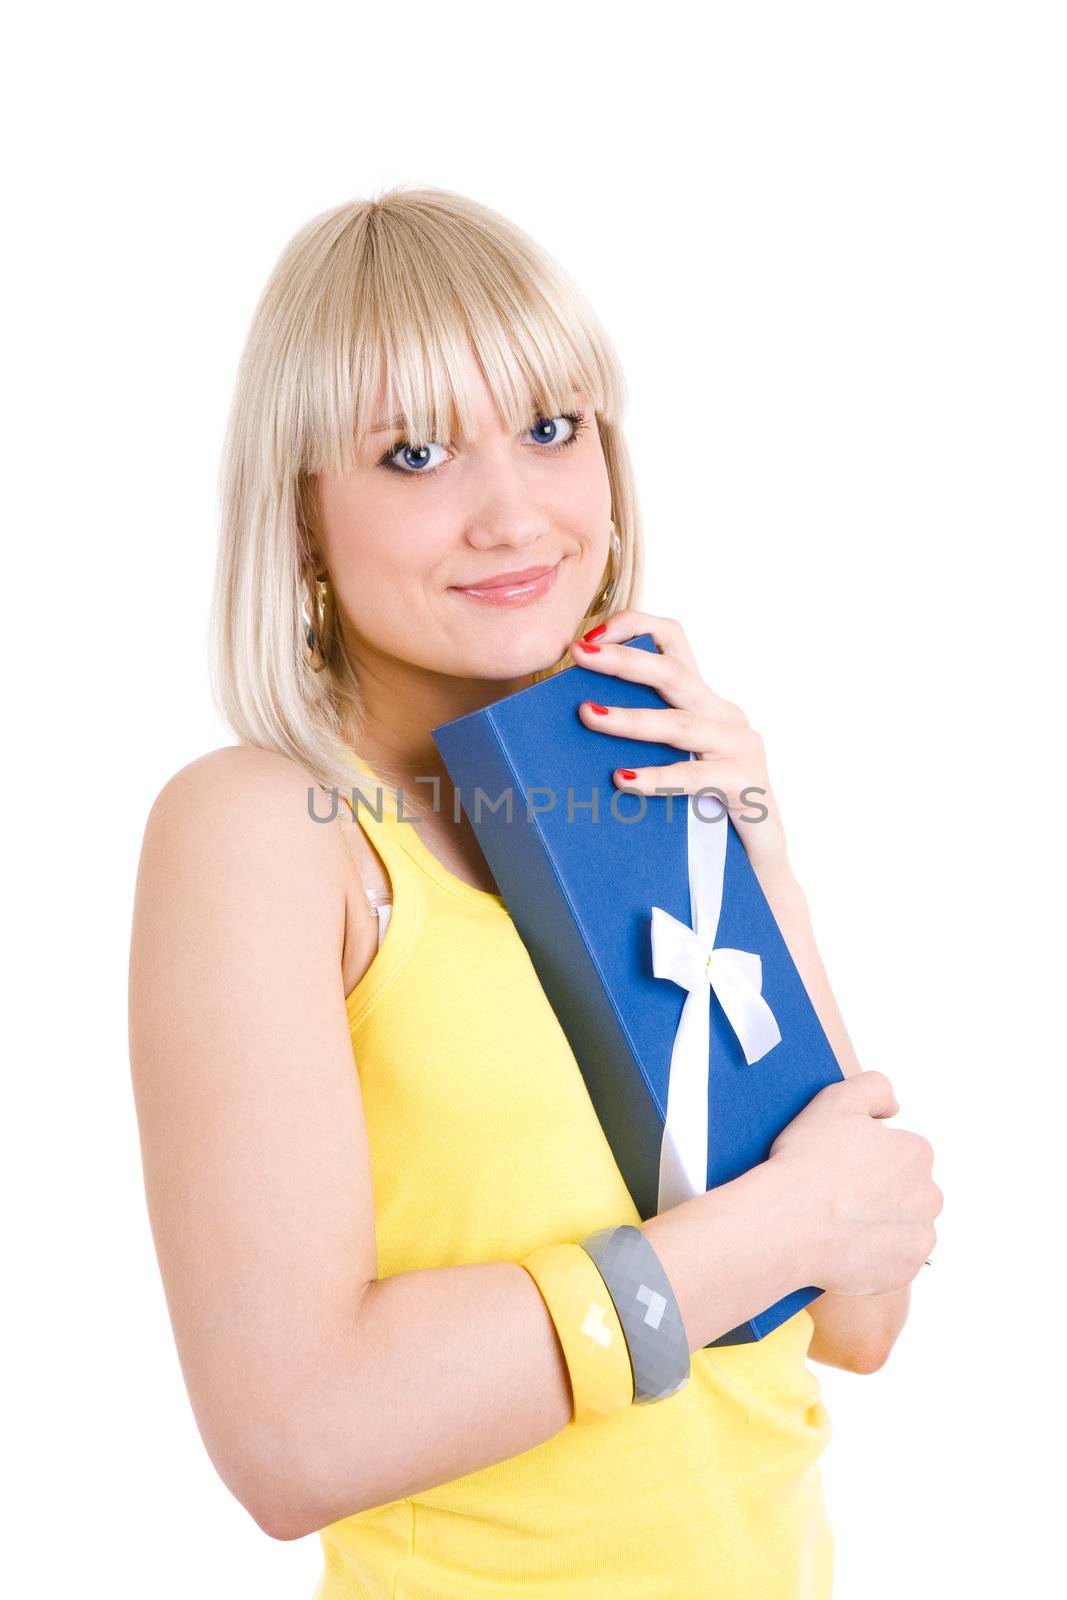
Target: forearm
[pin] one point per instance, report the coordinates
(452, 1369)
(853, 1332)
(857, 1331)
(789, 904)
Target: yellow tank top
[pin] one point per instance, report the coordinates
(485, 1144)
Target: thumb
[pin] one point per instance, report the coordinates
(876, 1093)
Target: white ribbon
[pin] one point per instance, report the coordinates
(688, 957)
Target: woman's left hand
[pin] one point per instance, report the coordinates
(730, 759)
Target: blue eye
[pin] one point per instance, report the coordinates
(573, 421)
(416, 458)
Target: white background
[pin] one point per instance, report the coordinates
(828, 241)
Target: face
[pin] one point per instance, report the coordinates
(408, 531)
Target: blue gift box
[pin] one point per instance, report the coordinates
(611, 894)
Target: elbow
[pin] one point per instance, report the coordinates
(280, 1500)
(854, 1355)
(292, 1491)
(284, 1526)
(268, 1480)
(871, 1358)
(280, 1510)
(288, 1516)
(293, 1460)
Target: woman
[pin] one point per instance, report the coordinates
(359, 1116)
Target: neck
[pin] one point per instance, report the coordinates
(402, 703)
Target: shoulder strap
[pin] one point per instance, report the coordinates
(373, 807)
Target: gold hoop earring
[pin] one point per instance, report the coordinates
(614, 570)
(319, 624)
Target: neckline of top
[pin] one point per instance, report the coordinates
(409, 838)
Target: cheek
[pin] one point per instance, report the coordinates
(582, 498)
(386, 561)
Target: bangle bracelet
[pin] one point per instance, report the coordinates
(646, 1307)
(594, 1345)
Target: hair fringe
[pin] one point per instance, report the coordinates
(396, 286)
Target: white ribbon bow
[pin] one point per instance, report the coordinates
(687, 956)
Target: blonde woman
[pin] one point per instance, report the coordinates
(358, 1114)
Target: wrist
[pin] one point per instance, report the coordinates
(780, 1202)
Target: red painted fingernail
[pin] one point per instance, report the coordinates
(583, 646)
(594, 707)
(624, 772)
(594, 633)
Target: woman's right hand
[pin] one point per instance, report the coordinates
(866, 1190)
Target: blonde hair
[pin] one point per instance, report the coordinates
(396, 285)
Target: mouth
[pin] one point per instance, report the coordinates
(511, 588)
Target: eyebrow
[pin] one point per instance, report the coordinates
(398, 422)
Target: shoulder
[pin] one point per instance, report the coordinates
(240, 808)
(235, 775)
(239, 812)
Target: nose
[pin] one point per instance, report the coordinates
(514, 525)
(503, 511)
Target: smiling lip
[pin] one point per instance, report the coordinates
(512, 588)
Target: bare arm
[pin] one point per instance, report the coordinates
(852, 1332)
(255, 1157)
(318, 1389)
(456, 1368)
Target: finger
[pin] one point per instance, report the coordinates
(676, 682)
(680, 726)
(724, 778)
(668, 634)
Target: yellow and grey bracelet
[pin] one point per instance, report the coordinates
(646, 1306)
(594, 1345)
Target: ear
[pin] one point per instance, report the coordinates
(307, 544)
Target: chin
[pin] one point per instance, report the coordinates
(528, 650)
